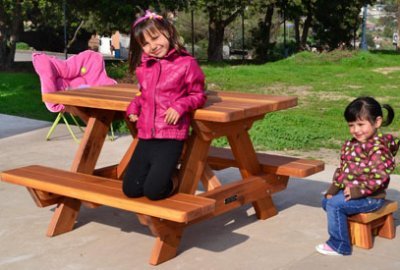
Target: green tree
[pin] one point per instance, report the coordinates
(221, 13)
(12, 14)
(301, 12)
(100, 15)
(336, 21)
(261, 39)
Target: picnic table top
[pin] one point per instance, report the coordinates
(221, 106)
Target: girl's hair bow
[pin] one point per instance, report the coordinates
(148, 15)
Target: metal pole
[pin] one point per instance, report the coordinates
(243, 34)
(65, 28)
(284, 32)
(192, 14)
(364, 27)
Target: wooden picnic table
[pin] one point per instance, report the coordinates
(226, 114)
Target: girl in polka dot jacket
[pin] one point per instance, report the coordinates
(366, 162)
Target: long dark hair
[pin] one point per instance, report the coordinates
(369, 109)
(151, 26)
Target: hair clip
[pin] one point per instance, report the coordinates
(148, 15)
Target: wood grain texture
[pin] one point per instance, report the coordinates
(220, 106)
(179, 208)
(220, 158)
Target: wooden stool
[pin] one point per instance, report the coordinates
(363, 226)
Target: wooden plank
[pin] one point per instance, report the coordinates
(64, 217)
(282, 102)
(124, 163)
(220, 107)
(209, 180)
(179, 208)
(244, 153)
(121, 87)
(220, 158)
(79, 100)
(237, 193)
(43, 199)
(194, 161)
(93, 139)
(169, 236)
(212, 130)
(103, 93)
(387, 208)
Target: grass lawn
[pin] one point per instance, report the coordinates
(324, 83)
(20, 95)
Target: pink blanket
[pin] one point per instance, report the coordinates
(82, 70)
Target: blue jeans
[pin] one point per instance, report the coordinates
(337, 210)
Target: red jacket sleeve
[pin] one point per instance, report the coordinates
(196, 96)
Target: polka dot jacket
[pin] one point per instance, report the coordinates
(365, 168)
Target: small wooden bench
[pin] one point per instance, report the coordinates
(364, 226)
(221, 158)
(163, 216)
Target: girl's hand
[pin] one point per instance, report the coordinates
(171, 116)
(133, 117)
(328, 196)
(347, 195)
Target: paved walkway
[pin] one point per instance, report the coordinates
(106, 238)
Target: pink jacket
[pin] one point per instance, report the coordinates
(174, 81)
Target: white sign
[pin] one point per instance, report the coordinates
(395, 38)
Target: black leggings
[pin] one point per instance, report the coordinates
(151, 167)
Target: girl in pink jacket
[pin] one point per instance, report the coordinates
(171, 86)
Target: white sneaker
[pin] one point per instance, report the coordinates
(326, 250)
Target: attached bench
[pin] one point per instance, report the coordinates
(221, 158)
(365, 225)
(166, 218)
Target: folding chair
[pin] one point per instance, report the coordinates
(82, 70)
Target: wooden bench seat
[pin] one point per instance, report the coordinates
(364, 226)
(180, 207)
(221, 158)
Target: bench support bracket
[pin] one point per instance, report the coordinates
(168, 235)
(64, 217)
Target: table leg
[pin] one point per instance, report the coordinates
(117, 171)
(168, 235)
(121, 168)
(78, 112)
(93, 139)
(64, 217)
(243, 150)
(194, 161)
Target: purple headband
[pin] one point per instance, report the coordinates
(148, 15)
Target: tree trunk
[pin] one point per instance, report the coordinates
(306, 27)
(268, 26)
(297, 33)
(3, 37)
(9, 34)
(216, 30)
(215, 43)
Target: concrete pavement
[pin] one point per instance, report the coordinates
(107, 238)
